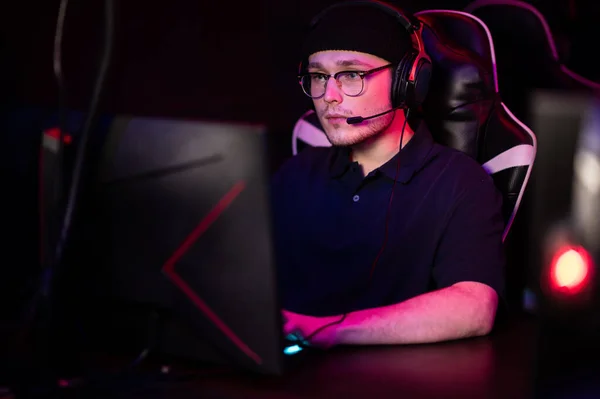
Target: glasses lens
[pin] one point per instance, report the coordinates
(313, 85)
(351, 82)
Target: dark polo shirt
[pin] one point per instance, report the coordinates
(445, 226)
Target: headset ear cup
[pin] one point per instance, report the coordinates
(400, 95)
(420, 87)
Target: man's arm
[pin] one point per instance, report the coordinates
(468, 270)
(465, 309)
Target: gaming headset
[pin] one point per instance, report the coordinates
(410, 81)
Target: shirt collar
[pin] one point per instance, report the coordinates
(412, 157)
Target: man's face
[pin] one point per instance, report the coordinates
(335, 106)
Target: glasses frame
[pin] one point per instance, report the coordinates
(335, 76)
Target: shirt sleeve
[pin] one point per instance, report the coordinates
(471, 247)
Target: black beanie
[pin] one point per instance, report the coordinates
(364, 28)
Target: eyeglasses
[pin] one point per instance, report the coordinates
(351, 82)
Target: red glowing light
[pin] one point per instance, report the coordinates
(570, 269)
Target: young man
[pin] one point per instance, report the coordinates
(359, 265)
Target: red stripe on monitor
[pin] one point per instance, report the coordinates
(41, 208)
(169, 268)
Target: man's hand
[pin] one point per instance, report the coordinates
(302, 328)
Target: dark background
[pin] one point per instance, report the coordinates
(213, 60)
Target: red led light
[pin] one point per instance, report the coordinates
(570, 269)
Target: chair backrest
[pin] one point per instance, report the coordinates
(463, 109)
(528, 58)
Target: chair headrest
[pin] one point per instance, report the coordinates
(462, 91)
(520, 32)
(517, 26)
(466, 32)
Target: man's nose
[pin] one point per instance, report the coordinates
(333, 93)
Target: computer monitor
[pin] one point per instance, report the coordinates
(565, 243)
(173, 246)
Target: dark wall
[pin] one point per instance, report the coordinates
(176, 58)
(231, 60)
(218, 60)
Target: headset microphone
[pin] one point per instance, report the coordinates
(358, 119)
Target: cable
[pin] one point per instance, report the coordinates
(89, 122)
(389, 208)
(58, 71)
(81, 149)
(45, 258)
(318, 330)
(62, 125)
(37, 324)
(52, 261)
(143, 355)
(385, 237)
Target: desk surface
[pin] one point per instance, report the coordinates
(498, 366)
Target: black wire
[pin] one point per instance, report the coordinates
(38, 320)
(389, 208)
(48, 220)
(318, 330)
(385, 237)
(81, 149)
(48, 276)
(62, 111)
